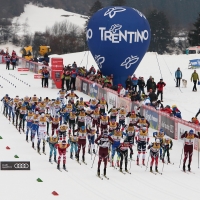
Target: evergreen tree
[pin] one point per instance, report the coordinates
(161, 36)
(119, 3)
(194, 35)
(95, 7)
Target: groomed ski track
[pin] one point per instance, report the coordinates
(81, 181)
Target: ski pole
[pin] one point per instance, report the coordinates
(91, 150)
(130, 163)
(163, 160)
(147, 161)
(198, 153)
(181, 155)
(95, 157)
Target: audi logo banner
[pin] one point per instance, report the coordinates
(10, 165)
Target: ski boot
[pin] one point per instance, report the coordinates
(143, 162)
(71, 155)
(120, 169)
(156, 169)
(189, 169)
(151, 169)
(168, 160)
(77, 157)
(104, 172)
(64, 167)
(98, 172)
(58, 166)
(55, 159)
(27, 138)
(163, 161)
(94, 151)
(89, 151)
(112, 163)
(137, 162)
(33, 145)
(49, 158)
(184, 168)
(83, 158)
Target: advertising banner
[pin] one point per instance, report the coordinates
(168, 125)
(22, 69)
(152, 117)
(182, 128)
(195, 62)
(93, 90)
(112, 98)
(102, 93)
(84, 87)
(78, 83)
(124, 102)
(15, 165)
(37, 76)
(135, 106)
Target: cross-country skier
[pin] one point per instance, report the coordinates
(116, 135)
(130, 131)
(74, 145)
(142, 138)
(159, 135)
(166, 145)
(188, 146)
(82, 135)
(103, 141)
(62, 147)
(29, 120)
(103, 105)
(52, 140)
(123, 152)
(154, 153)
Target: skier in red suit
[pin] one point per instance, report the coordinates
(103, 141)
(188, 147)
(62, 147)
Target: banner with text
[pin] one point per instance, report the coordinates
(84, 87)
(168, 125)
(15, 165)
(111, 98)
(93, 90)
(152, 117)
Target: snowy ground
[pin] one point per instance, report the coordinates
(141, 184)
(38, 18)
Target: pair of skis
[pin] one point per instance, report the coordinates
(102, 176)
(155, 173)
(80, 162)
(63, 169)
(42, 152)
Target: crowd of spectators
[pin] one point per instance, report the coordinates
(147, 93)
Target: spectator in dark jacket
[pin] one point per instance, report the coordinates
(149, 84)
(178, 75)
(153, 85)
(128, 83)
(141, 85)
(46, 78)
(134, 82)
(152, 95)
(160, 85)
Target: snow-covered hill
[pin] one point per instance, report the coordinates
(38, 18)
